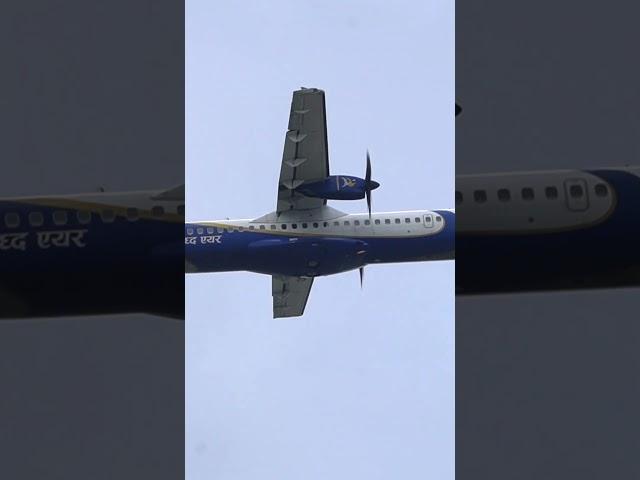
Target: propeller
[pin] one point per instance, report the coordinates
(361, 276)
(369, 184)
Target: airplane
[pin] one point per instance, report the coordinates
(550, 230)
(304, 238)
(92, 254)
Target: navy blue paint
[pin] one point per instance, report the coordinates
(337, 188)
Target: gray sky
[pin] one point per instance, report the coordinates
(363, 385)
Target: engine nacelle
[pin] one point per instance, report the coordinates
(306, 256)
(338, 187)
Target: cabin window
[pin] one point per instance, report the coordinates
(200, 231)
(438, 218)
(601, 190)
(576, 191)
(12, 220)
(397, 220)
(181, 210)
(387, 221)
(262, 227)
(357, 223)
(377, 221)
(272, 227)
(108, 216)
(157, 211)
(304, 225)
(36, 219)
(504, 195)
(336, 224)
(252, 227)
(459, 198)
(367, 222)
(60, 217)
(83, 217)
(480, 196)
(417, 219)
(283, 226)
(315, 225)
(325, 224)
(294, 226)
(527, 194)
(347, 223)
(132, 214)
(210, 230)
(407, 220)
(551, 193)
(189, 231)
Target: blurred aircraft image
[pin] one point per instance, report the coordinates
(553, 230)
(547, 230)
(304, 238)
(92, 254)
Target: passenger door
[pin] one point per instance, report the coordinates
(576, 194)
(428, 221)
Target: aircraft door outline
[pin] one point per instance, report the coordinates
(576, 194)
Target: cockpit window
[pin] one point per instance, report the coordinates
(527, 193)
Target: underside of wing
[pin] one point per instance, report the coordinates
(305, 158)
(290, 295)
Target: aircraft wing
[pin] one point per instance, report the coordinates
(305, 157)
(290, 295)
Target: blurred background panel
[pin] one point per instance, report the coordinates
(92, 100)
(547, 378)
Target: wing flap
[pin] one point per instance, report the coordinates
(290, 295)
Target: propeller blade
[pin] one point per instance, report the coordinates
(361, 276)
(367, 183)
(368, 175)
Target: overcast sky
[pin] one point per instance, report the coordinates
(362, 386)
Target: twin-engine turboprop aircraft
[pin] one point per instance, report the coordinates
(305, 238)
